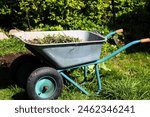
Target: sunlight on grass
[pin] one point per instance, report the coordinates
(12, 45)
(9, 92)
(127, 79)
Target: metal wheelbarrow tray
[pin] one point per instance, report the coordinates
(63, 55)
(47, 82)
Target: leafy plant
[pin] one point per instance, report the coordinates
(64, 14)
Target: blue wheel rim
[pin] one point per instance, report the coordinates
(45, 87)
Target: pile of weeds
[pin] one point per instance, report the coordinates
(54, 39)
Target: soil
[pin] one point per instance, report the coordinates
(5, 62)
(5, 78)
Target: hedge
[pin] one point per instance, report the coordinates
(63, 14)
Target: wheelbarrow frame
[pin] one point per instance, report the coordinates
(85, 66)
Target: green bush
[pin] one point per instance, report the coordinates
(64, 14)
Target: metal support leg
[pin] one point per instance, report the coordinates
(85, 73)
(98, 79)
(74, 83)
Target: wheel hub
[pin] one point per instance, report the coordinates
(45, 87)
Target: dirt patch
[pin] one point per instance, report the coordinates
(6, 60)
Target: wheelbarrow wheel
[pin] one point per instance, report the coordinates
(44, 83)
(22, 67)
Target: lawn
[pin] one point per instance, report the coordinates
(127, 76)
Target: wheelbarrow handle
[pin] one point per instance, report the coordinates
(119, 31)
(145, 40)
(112, 33)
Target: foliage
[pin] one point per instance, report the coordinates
(63, 14)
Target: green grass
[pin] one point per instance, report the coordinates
(11, 45)
(11, 92)
(129, 78)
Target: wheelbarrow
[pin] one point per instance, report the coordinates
(43, 72)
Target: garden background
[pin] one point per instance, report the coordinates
(128, 76)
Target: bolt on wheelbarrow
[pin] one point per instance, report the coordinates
(42, 74)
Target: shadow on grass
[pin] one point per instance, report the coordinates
(6, 81)
(20, 96)
(5, 62)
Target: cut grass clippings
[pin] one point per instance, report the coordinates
(54, 39)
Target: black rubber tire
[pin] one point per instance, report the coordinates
(22, 67)
(54, 84)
